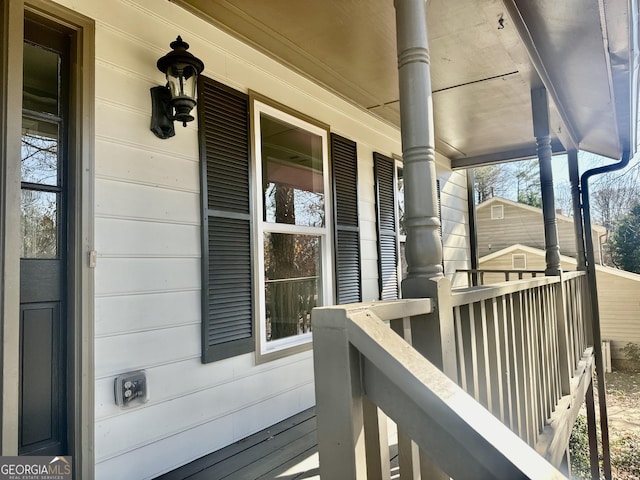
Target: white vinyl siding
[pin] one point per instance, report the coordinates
(147, 236)
(524, 225)
(455, 224)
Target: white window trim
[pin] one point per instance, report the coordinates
(518, 256)
(497, 208)
(267, 351)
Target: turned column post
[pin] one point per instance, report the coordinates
(540, 107)
(423, 245)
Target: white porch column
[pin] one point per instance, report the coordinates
(423, 247)
(540, 105)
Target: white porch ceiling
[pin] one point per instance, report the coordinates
(583, 51)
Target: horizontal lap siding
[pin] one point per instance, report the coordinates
(518, 226)
(526, 227)
(619, 302)
(147, 235)
(455, 224)
(147, 278)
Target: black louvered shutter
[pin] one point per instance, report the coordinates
(227, 287)
(344, 161)
(383, 169)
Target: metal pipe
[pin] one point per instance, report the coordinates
(595, 319)
(473, 228)
(574, 175)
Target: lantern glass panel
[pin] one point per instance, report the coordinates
(182, 81)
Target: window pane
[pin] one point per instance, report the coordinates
(41, 79)
(400, 195)
(292, 283)
(39, 152)
(292, 174)
(39, 212)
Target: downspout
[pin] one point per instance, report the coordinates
(595, 317)
(473, 228)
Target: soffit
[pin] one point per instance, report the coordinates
(482, 74)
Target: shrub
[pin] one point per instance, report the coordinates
(632, 354)
(579, 450)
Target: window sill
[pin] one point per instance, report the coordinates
(283, 349)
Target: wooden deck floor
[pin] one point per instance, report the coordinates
(285, 451)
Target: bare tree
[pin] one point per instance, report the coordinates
(614, 194)
(490, 181)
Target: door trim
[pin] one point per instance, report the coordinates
(80, 303)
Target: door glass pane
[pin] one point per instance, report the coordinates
(292, 174)
(41, 78)
(292, 282)
(39, 221)
(39, 152)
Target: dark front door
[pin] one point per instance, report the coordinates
(43, 272)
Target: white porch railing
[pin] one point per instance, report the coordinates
(518, 348)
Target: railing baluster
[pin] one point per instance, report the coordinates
(537, 305)
(376, 441)
(474, 351)
(460, 349)
(494, 356)
(484, 370)
(408, 452)
(550, 332)
(408, 457)
(339, 394)
(532, 391)
(548, 355)
(508, 376)
(524, 394)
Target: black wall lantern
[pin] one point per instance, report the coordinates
(175, 100)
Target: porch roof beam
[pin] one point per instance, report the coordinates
(514, 155)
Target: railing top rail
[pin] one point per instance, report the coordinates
(497, 270)
(573, 274)
(430, 407)
(387, 309)
(467, 295)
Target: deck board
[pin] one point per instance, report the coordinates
(267, 454)
(287, 450)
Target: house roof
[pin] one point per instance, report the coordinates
(485, 58)
(536, 251)
(560, 217)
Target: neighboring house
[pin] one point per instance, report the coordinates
(198, 258)
(502, 223)
(618, 291)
